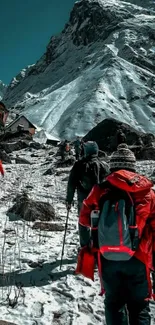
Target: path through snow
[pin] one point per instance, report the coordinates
(45, 294)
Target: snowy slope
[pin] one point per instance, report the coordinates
(2, 89)
(46, 295)
(101, 65)
(143, 3)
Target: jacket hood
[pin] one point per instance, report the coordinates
(129, 181)
(90, 149)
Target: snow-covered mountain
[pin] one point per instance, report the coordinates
(101, 65)
(143, 3)
(3, 88)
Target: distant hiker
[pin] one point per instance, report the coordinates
(77, 147)
(139, 141)
(67, 147)
(124, 238)
(64, 148)
(121, 138)
(85, 173)
(150, 140)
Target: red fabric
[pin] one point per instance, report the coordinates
(86, 263)
(144, 199)
(116, 249)
(123, 180)
(102, 292)
(1, 168)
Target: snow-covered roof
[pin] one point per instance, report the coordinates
(51, 137)
(18, 118)
(42, 136)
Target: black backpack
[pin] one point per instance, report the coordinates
(93, 172)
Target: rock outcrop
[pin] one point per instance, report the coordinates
(142, 144)
(31, 210)
(105, 135)
(4, 157)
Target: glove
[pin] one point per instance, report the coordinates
(68, 206)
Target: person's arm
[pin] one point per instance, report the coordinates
(72, 184)
(1, 168)
(89, 204)
(152, 224)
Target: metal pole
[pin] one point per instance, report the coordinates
(63, 246)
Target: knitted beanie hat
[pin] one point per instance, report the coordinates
(123, 158)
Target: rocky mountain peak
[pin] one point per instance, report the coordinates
(101, 66)
(92, 21)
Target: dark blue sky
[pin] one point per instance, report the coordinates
(25, 29)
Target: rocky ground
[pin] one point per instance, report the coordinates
(33, 289)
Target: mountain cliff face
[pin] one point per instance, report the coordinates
(101, 66)
(3, 88)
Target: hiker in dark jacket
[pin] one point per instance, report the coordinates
(79, 178)
(126, 280)
(77, 147)
(121, 137)
(62, 147)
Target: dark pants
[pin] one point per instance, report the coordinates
(62, 155)
(77, 155)
(125, 284)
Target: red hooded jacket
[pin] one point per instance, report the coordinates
(1, 168)
(144, 199)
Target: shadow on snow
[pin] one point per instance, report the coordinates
(40, 276)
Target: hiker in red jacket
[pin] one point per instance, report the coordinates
(1, 168)
(125, 203)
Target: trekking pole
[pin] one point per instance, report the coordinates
(63, 245)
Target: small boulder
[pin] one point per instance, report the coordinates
(36, 145)
(49, 171)
(13, 146)
(31, 210)
(20, 160)
(51, 153)
(5, 157)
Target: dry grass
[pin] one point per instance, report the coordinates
(3, 322)
(48, 226)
